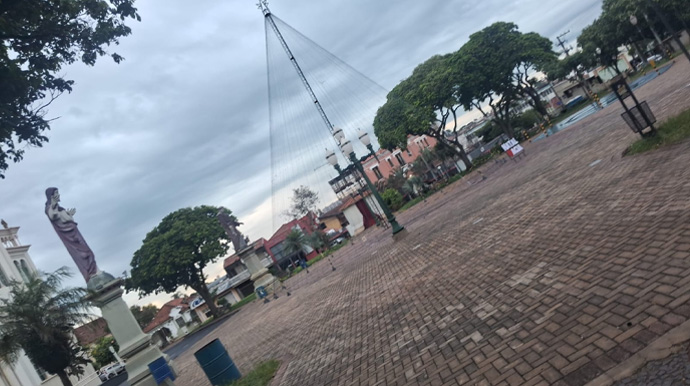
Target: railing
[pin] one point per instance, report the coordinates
(239, 278)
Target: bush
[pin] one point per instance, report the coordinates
(393, 199)
(101, 354)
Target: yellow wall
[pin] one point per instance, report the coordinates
(332, 223)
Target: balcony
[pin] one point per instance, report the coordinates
(239, 278)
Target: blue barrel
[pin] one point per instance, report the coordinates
(161, 370)
(216, 363)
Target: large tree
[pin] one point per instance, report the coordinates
(38, 38)
(176, 252)
(424, 103)
(496, 67)
(38, 318)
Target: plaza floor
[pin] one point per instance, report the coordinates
(553, 270)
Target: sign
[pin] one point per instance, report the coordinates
(508, 145)
(512, 152)
(512, 147)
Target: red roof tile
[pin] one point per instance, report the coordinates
(92, 331)
(164, 314)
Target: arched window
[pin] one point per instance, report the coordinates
(25, 269)
(3, 278)
(19, 269)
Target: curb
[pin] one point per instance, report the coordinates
(665, 346)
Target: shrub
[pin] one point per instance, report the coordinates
(393, 199)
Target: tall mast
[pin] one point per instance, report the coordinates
(263, 6)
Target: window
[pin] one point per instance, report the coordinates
(377, 172)
(3, 278)
(409, 153)
(180, 322)
(390, 162)
(425, 141)
(400, 159)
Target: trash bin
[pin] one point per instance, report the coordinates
(161, 370)
(261, 292)
(216, 363)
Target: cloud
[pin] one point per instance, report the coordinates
(183, 120)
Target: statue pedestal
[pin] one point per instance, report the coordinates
(259, 274)
(135, 346)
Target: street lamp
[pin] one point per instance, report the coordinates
(349, 152)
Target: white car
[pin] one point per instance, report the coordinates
(110, 371)
(655, 58)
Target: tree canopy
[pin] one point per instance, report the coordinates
(303, 201)
(144, 315)
(38, 318)
(488, 73)
(38, 39)
(100, 351)
(176, 252)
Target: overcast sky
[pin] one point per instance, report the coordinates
(183, 121)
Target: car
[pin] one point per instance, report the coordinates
(337, 241)
(655, 58)
(111, 371)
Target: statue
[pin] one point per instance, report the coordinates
(230, 225)
(67, 230)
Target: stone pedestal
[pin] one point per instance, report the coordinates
(259, 274)
(135, 346)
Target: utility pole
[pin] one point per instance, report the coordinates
(561, 43)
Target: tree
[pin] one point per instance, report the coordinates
(424, 103)
(176, 252)
(39, 38)
(303, 201)
(495, 66)
(38, 318)
(318, 241)
(144, 315)
(294, 243)
(100, 351)
(392, 198)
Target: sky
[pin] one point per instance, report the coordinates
(183, 121)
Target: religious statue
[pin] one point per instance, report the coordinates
(67, 230)
(230, 225)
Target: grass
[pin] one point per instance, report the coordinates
(672, 131)
(244, 301)
(261, 375)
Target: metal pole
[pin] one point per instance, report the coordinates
(389, 215)
(269, 18)
(669, 29)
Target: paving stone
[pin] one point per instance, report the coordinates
(573, 267)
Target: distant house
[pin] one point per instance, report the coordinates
(548, 94)
(90, 332)
(354, 213)
(173, 320)
(275, 245)
(236, 285)
(387, 162)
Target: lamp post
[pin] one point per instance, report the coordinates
(348, 151)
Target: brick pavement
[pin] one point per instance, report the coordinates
(551, 271)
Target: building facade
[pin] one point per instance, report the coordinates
(16, 265)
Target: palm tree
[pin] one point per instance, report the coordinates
(294, 243)
(318, 241)
(38, 318)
